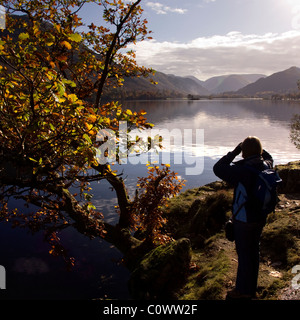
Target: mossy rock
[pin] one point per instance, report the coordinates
(280, 241)
(200, 212)
(161, 272)
(290, 175)
(211, 215)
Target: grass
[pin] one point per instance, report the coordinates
(209, 278)
(281, 239)
(201, 212)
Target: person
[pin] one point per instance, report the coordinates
(248, 225)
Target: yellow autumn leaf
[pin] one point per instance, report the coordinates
(92, 118)
(75, 37)
(66, 44)
(88, 126)
(23, 36)
(72, 97)
(93, 132)
(57, 27)
(52, 64)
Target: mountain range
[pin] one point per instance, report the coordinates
(236, 84)
(279, 82)
(232, 82)
(167, 85)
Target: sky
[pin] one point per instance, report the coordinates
(206, 38)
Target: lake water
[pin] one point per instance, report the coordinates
(207, 129)
(224, 123)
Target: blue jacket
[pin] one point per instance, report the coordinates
(237, 172)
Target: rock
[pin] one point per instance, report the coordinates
(196, 205)
(289, 294)
(161, 272)
(290, 175)
(211, 215)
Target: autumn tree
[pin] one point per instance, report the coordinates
(53, 74)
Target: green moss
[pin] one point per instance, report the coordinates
(157, 256)
(281, 239)
(272, 288)
(208, 282)
(212, 214)
(295, 165)
(161, 272)
(181, 204)
(199, 213)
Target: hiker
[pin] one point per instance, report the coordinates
(248, 223)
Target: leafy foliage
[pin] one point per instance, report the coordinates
(295, 127)
(52, 78)
(152, 195)
(295, 130)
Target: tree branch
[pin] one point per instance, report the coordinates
(123, 199)
(110, 53)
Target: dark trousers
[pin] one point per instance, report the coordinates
(247, 240)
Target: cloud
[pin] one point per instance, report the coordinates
(162, 9)
(234, 52)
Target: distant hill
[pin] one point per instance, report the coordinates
(167, 86)
(197, 80)
(279, 82)
(229, 83)
(183, 84)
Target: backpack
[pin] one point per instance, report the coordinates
(261, 199)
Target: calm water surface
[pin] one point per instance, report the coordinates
(31, 273)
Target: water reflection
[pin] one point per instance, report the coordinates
(159, 111)
(226, 122)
